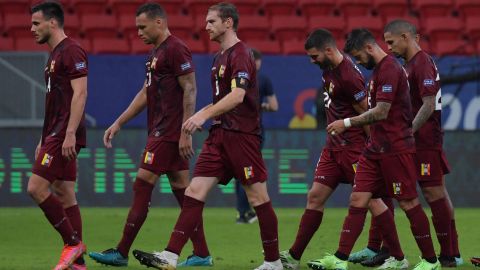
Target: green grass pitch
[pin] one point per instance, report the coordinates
(27, 241)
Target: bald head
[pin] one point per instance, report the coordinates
(397, 27)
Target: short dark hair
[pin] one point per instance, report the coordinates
(152, 11)
(225, 11)
(397, 27)
(50, 9)
(357, 39)
(257, 55)
(319, 39)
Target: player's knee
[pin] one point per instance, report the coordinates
(432, 194)
(257, 198)
(37, 192)
(359, 200)
(408, 204)
(315, 200)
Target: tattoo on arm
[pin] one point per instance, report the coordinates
(424, 113)
(380, 112)
(188, 84)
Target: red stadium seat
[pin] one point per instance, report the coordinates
(312, 8)
(127, 27)
(279, 7)
(173, 7)
(72, 25)
(110, 46)
(86, 44)
(355, 7)
(14, 7)
(425, 45)
(99, 26)
(472, 28)
(89, 7)
(6, 44)
(433, 8)
(18, 25)
(199, 8)
(374, 24)
(246, 7)
(181, 26)
(254, 28)
(442, 28)
(293, 47)
(196, 46)
(289, 27)
(137, 46)
(389, 8)
(468, 8)
(452, 47)
(265, 46)
(125, 7)
(29, 45)
(336, 25)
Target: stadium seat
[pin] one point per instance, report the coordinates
(196, 46)
(293, 47)
(88, 7)
(14, 7)
(374, 24)
(72, 25)
(85, 43)
(442, 28)
(452, 47)
(246, 7)
(354, 7)
(6, 44)
(99, 26)
(181, 26)
(254, 28)
(125, 7)
(433, 8)
(110, 46)
(265, 46)
(472, 28)
(127, 27)
(289, 27)
(199, 8)
(29, 45)
(312, 8)
(18, 25)
(468, 8)
(425, 45)
(173, 7)
(389, 8)
(279, 7)
(137, 46)
(336, 25)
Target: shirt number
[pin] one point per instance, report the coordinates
(48, 85)
(326, 100)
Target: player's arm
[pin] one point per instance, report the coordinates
(361, 107)
(77, 108)
(136, 106)
(379, 113)
(271, 105)
(188, 84)
(424, 113)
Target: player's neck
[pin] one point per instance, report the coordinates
(337, 59)
(412, 50)
(162, 38)
(379, 55)
(55, 39)
(229, 39)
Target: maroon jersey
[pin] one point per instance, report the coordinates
(343, 86)
(425, 81)
(67, 62)
(164, 93)
(393, 135)
(234, 68)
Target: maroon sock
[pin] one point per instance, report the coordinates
(442, 219)
(421, 231)
(389, 233)
(199, 242)
(190, 217)
(309, 224)
(352, 227)
(53, 210)
(374, 235)
(389, 203)
(454, 240)
(268, 230)
(73, 214)
(142, 193)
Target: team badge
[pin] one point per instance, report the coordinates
(47, 160)
(330, 88)
(148, 158)
(52, 66)
(221, 71)
(425, 169)
(154, 63)
(354, 166)
(397, 188)
(248, 172)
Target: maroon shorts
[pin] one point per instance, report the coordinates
(335, 167)
(431, 166)
(228, 154)
(160, 157)
(51, 165)
(392, 176)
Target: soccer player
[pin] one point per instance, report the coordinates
(387, 165)
(232, 148)
(345, 96)
(169, 94)
(269, 103)
(432, 165)
(63, 134)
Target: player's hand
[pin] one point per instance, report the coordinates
(68, 147)
(37, 150)
(109, 134)
(193, 123)
(335, 128)
(265, 106)
(185, 146)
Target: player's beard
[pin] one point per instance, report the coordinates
(44, 39)
(325, 64)
(217, 37)
(370, 63)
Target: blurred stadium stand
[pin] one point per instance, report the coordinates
(442, 23)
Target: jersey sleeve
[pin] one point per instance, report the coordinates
(181, 60)
(426, 78)
(387, 83)
(75, 62)
(267, 86)
(354, 89)
(241, 66)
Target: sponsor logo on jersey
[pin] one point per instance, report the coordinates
(148, 158)
(397, 188)
(80, 65)
(428, 82)
(185, 66)
(425, 169)
(47, 160)
(387, 88)
(248, 172)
